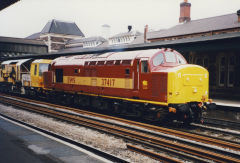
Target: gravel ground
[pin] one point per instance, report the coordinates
(84, 135)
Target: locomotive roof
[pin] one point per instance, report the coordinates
(42, 61)
(125, 55)
(18, 62)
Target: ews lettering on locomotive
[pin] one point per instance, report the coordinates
(71, 80)
(108, 82)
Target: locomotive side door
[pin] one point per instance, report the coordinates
(144, 78)
(136, 74)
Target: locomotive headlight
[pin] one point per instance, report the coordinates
(194, 90)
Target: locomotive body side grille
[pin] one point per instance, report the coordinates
(159, 86)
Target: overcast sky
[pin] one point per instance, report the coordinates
(29, 16)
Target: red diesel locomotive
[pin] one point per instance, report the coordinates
(154, 84)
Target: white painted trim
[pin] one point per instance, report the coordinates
(54, 42)
(60, 35)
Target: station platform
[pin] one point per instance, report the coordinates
(227, 103)
(19, 144)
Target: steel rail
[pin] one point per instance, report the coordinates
(156, 156)
(133, 134)
(222, 122)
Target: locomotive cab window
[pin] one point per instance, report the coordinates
(59, 75)
(170, 57)
(144, 66)
(42, 68)
(181, 60)
(158, 59)
(35, 70)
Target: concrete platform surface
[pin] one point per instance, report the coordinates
(223, 102)
(19, 144)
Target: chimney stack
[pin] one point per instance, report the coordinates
(238, 14)
(185, 12)
(129, 28)
(145, 33)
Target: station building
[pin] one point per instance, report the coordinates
(218, 47)
(57, 33)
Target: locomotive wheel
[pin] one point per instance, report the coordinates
(161, 114)
(116, 109)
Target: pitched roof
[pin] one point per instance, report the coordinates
(198, 26)
(5, 4)
(34, 36)
(61, 27)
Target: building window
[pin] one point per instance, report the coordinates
(206, 62)
(237, 71)
(231, 71)
(203, 61)
(199, 61)
(222, 71)
(190, 59)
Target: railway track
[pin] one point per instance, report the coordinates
(196, 152)
(222, 123)
(211, 131)
(183, 134)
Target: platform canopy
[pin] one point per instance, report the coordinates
(5, 3)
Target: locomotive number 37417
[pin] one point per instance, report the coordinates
(109, 82)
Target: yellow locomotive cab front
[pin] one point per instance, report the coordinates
(188, 92)
(188, 83)
(37, 69)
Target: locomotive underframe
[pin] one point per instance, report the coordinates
(190, 112)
